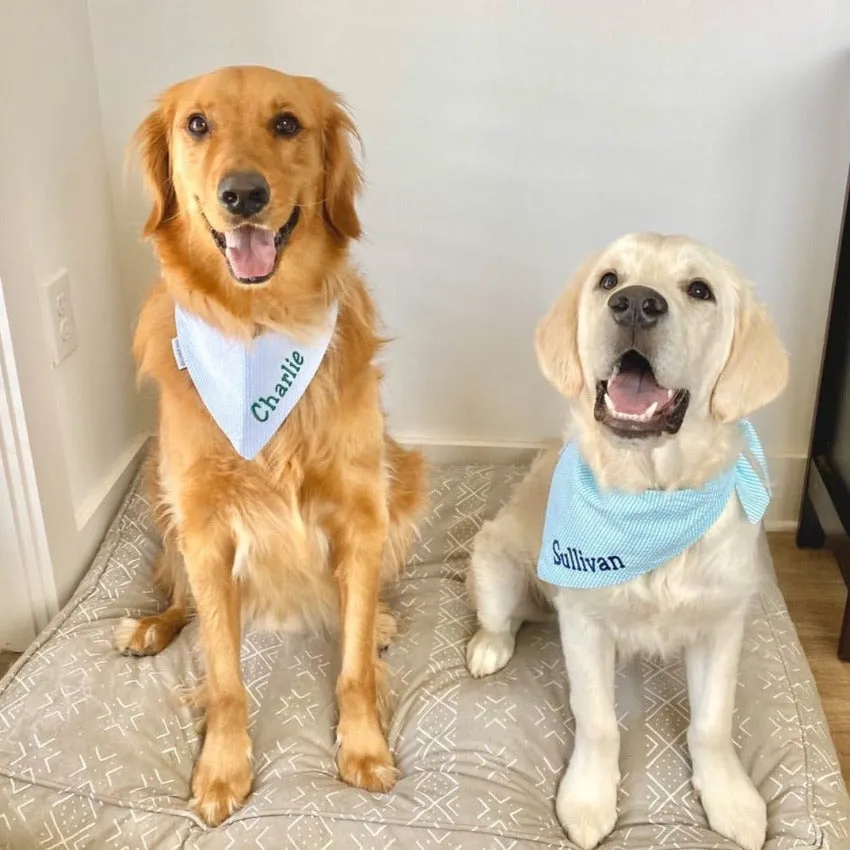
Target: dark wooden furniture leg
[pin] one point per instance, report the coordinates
(844, 639)
(824, 518)
(809, 530)
(819, 525)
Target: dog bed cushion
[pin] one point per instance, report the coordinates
(96, 750)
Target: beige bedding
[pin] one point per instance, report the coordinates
(96, 750)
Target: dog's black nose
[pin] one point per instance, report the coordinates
(637, 305)
(244, 193)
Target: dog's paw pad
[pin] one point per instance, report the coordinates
(489, 652)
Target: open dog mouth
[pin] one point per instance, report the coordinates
(633, 404)
(253, 252)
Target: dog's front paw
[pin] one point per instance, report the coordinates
(371, 770)
(734, 808)
(488, 652)
(147, 636)
(586, 805)
(222, 778)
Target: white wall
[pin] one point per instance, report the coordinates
(56, 212)
(505, 140)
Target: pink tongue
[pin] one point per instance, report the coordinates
(250, 251)
(634, 392)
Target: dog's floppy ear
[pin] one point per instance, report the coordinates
(343, 179)
(151, 141)
(556, 338)
(756, 371)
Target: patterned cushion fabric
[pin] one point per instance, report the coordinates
(96, 750)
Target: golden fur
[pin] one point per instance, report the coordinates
(304, 535)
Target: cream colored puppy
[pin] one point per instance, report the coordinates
(661, 350)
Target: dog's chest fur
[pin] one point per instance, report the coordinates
(281, 556)
(663, 610)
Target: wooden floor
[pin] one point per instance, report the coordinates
(7, 659)
(815, 593)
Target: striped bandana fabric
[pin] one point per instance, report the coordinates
(248, 388)
(599, 538)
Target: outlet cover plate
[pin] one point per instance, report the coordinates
(59, 316)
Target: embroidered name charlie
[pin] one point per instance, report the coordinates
(249, 389)
(289, 369)
(575, 559)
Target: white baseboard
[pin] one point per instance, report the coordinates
(786, 471)
(442, 452)
(787, 474)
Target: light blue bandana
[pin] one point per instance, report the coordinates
(598, 538)
(248, 388)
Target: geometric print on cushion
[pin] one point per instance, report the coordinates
(96, 750)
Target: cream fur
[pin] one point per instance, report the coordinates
(729, 357)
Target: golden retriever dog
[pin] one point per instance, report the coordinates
(661, 349)
(254, 185)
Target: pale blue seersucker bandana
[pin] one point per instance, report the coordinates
(598, 538)
(248, 388)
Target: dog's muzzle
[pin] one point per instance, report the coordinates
(632, 403)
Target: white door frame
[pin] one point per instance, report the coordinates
(28, 587)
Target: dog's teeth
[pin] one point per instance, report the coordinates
(615, 371)
(631, 417)
(649, 412)
(670, 394)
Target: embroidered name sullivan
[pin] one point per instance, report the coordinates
(575, 559)
(289, 369)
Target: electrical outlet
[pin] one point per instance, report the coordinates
(59, 316)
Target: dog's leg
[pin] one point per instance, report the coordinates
(587, 796)
(363, 757)
(222, 778)
(733, 805)
(150, 635)
(500, 578)
(499, 588)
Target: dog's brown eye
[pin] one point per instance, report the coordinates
(197, 125)
(700, 290)
(609, 280)
(285, 124)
